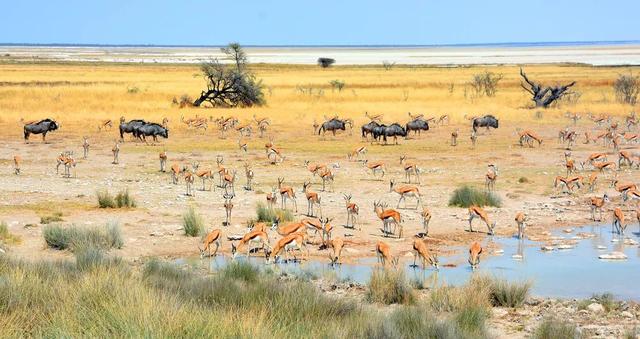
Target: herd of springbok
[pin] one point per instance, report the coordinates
(317, 228)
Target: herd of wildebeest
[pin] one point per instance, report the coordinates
(618, 140)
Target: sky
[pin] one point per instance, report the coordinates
(325, 22)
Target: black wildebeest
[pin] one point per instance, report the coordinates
(332, 125)
(417, 125)
(151, 129)
(394, 130)
(130, 127)
(368, 128)
(40, 127)
(486, 121)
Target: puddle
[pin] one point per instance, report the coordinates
(574, 272)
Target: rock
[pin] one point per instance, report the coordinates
(613, 256)
(516, 257)
(499, 312)
(565, 247)
(595, 308)
(600, 247)
(628, 315)
(629, 241)
(568, 230)
(499, 251)
(547, 248)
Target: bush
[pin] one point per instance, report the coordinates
(265, 214)
(124, 199)
(389, 287)
(326, 62)
(475, 294)
(607, 300)
(77, 238)
(192, 223)
(388, 64)
(556, 329)
(627, 88)
(485, 84)
(105, 199)
(509, 294)
(47, 219)
(466, 196)
(337, 84)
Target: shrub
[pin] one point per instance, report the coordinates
(265, 214)
(475, 294)
(241, 271)
(509, 294)
(466, 196)
(556, 329)
(389, 287)
(192, 223)
(326, 62)
(78, 238)
(627, 88)
(485, 83)
(124, 199)
(47, 219)
(523, 180)
(471, 320)
(388, 64)
(105, 199)
(337, 84)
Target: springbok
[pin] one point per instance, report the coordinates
(312, 199)
(477, 212)
(454, 137)
(163, 160)
(607, 165)
(566, 182)
(352, 211)
(242, 145)
(229, 181)
(221, 170)
(104, 124)
(204, 175)
(272, 198)
(228, 206)
(17, 160)
(188, 180)
(357, 153)
(474, 255)
(60, 160)
(623, 188)
(596, 203)
(383, 252)
(528, 137)
(593, 180)
(69, 162)
(569, 164)
(315, 168)
(290, 228)
(426, 218)
(521, 220)
(295, 241)
(420, 250)
(375, 167)
(624, 158)
(85, 147)
(336, 246)
(321, 226)
(256, 236)
(387, 217)
(409, 169)
(275, 155)
(286, 192)
(491, 177)
(405, 191)
(474, 138)
(116, 152)
(619, 224)
(212, 237)
(248, 172)
(176, 170)
(327, 176)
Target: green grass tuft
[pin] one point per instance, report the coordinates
(48, 219)
(556, 329)
(105, 199)
(124, 199)
(389, 287)
(240, 270)
(77, 238)
(466, 196)
(509, 294)
(265, 214)
(192, 223)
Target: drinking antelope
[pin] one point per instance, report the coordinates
(326, 176)
(188, 180)
(454, 137)
(409, 169)
(212, 238)
(312, 199)
(17, 160)
(426, 218)
(618, 225)
(602, 166)
(420, 250)
(405, 191)
(352, 211)
(248, 172)
(287, 244)
(596, 203)
(116, 152)
(104, 124)
(321, 226)
(521, 219)
(286, 192)
(228, 206)
(623, 188)
(474, 255)
(375, 167)
(383, 252)
(336, 246)
(491, 177)
(477, 212)
(624, 158)
(85, 147)
(529, 136)
(387, 217)
(163, 160)
(357, 153)
(256, 236)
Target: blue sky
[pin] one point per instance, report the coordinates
(298, 22)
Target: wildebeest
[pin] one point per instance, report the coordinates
(130, 127)
(151, 129)
(486, 121)
(394, 130)
(368, 128)
(417, 126)
(40, 127)
(332, 125)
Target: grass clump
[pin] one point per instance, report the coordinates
(243, 271)
(105, 199)
(466, 196)
(192, 223)
(389, 287)
(122, 200)
(509, 294)
(7, 237)
(556, 329)
(266, 214)
(607, 300)
(48, 219)
(77, 238)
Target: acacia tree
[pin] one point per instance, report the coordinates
(544, 96)
(230, 86)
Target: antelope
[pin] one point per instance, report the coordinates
(634, 194)
(116, 152)
(228, 206)
(357, 153)
(85, 147)
(176, 170)
(248, 172)
(618, 225)
(272, 198)
(596, 203)
(105, 124)
(477, 212)
(404, 192)
(244, 129)
(242, 145)
(290, 228)
(631, 137)
(212, 237)
(165, 122)
(312, 199)
(623, 188)
(608, 165)
(593, 177)
(596, 157)
(221, 170)
(326, 176)
(352, 211)
(286, 192)
(163, 160)
(474, 255)
(229, 180)
(569, 163)
(17, 160)
(491, 177)
(426, 218)
(377, 117)
(443, 119)
(60, 160)
(387, 217)
(566, 182)
(383, 252)
(529, 136)
(276, 154)
(256, 236)
(624, 157)
(521, 219)
(188, 180)
(321, 226)
(68, 163)
(589, 139)
(409, 169)
(454, 137)
(315, 168)
(204, 175)
(291, 242)
(268, 146)
(375, 167)
(336, 246)
(420, 249)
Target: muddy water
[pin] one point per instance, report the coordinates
(564, 273)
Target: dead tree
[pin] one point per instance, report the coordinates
(544, 96)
